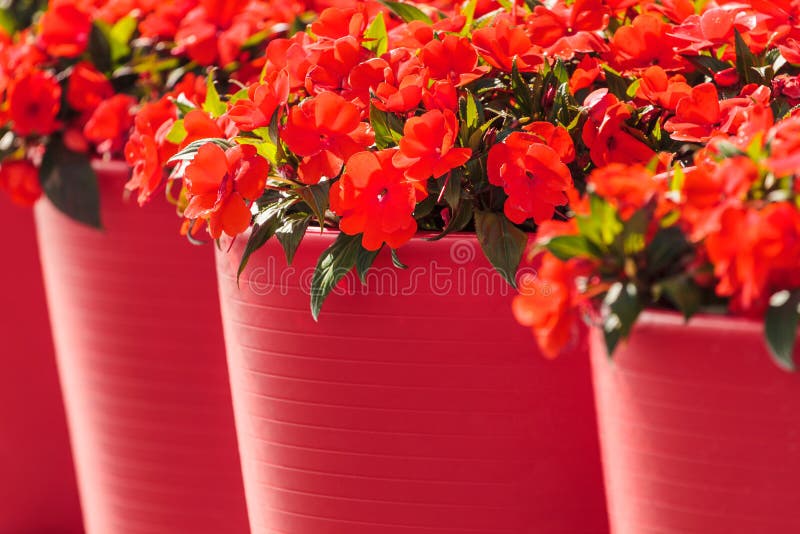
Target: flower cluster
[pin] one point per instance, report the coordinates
(74, 72)
(650, 145)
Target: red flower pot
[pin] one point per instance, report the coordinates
(37, 481)
(700, 431)
(141, 360)
(415, 405)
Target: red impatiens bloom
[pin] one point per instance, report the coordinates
(19, 178)
(755, 252)
(427, 148)
(219, 185)
(110, 123)
(452, 59)
(548, 304)
(325, 130)
(147, 151)
(87, 87)
(375, 198)
(201, 125)
(643, 43)
(533, 174)
(627, 187)
(606, 133)
(263, 99)
(564, 29)
(502, 44)
(34, 101)
(658, 88)
(65, 29)
(697, 115)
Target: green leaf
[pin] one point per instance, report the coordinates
(364, 260)
(666, 249)
(683, 292)
(291, 234)
(177, 133)
(7, 22)
(709, 64)
(265, 148)
(407, 12)
(565, 247)
(99, 47)
(264, 227)
(333, 265)
(452, 188)
(396, 260)
(70, 183)
(622, 307)
(213, 103)
(469, 15)
(632, 239)
(521, 90)
(617, 85)
(745, 60)
(780, 327)
(388, 127)
(189, 151)
(119, 38)
(502, 243)
(458, 220)
(317, 198)
(601, 226)
(376, 38)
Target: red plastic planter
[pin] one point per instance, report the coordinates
(37, 482)
(141, 359)
(700, 431)
(416, 406)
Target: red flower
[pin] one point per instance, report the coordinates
(532, 174)
(219, 183)
(657, 88)
(643, 43)
(375, 198)
(755, 252)
(585, 74)
(548, 304)
(110, 123)
(333, 63)
(608, 136)
(564, 30)
(453, 59)
(64, 30)
(427, 148)
(626, 187)
(200, 125)
(87, 87)
(34, 101)
(147, 151)
(696, 116)
(263, 99)
(325, 130)
(20, 180)
(500, 45)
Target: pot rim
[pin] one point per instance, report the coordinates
(705, 320)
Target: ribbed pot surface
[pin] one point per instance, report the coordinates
(141, 359)
(700, 431)
(415, 406)
(37, 482)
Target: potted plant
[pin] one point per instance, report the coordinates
(401, 155)
(687, 266)
(134, 311)
(35, 458)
